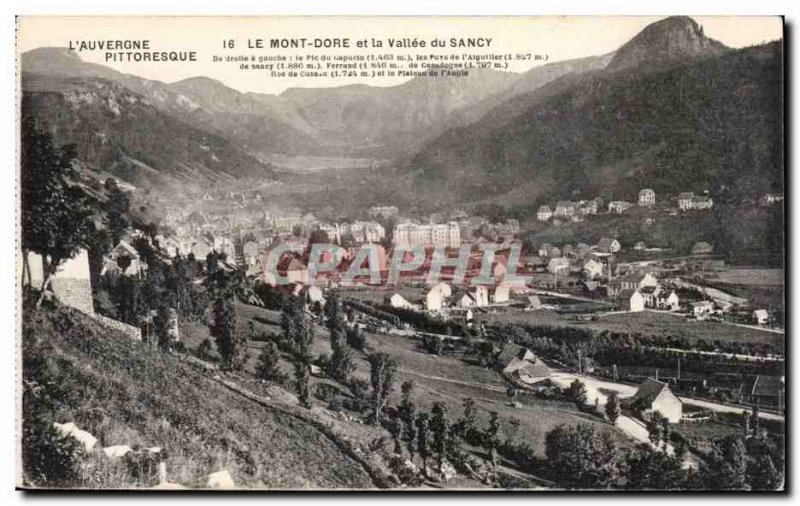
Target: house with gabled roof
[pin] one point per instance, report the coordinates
(761, 316)
(436, 296)
(521, 364)
(608, 245)
(544, 213)
(650, 295)
(654, 395)
(636, 280)
(512, 350)
(124, 249)
(398, 301)
(631, 301)
(668, 301)
(502, 293)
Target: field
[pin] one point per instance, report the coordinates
(751, 276)
(763, 287)
(647, 323)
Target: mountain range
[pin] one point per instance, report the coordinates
(672, 111)
(671, 108)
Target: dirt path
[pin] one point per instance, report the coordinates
(453, 381)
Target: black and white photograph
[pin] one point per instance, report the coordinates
(401, 254)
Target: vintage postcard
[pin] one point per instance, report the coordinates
(401, 253)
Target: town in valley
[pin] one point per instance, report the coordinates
(512, 302)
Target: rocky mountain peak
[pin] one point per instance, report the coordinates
(664, 41)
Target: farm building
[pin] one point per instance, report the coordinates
(656, 396)
(528, 371)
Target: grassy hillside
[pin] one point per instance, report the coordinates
(449, 379)
(75, 370)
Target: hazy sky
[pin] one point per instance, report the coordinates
(559, 38)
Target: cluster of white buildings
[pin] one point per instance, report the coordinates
(444, 298)
(636, 291)
(575, 211)
(446, 235)
(565, 209)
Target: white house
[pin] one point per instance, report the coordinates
(544, 213)
(501, 293)
(668, 301)
(650, 295)
(631, 301)
(761, 316)
(465, 299)
(398, 301)
(637, 280)
(647, 197)
(481, 295)
(436, 296)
